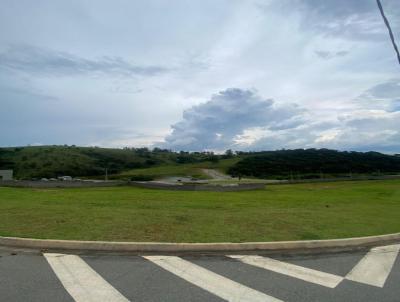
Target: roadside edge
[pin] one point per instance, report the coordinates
(178, 248)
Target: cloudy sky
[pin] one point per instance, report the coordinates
(200, 75)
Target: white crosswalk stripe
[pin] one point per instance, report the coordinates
(376, 266)
(216, 284)
(86, 285)
(292, 270)
(81, 281)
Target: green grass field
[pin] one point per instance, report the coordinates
(280, 212)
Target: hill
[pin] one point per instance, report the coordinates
(194, 170)
(52, 161)
(313, 163)
(144, 164)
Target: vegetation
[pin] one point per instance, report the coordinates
(189, 170)
(142, 163)
(53, 161)
(282, 212)
(314, 163)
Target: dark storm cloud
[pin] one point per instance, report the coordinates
(35, 60)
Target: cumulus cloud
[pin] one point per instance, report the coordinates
(218, 123)
(35, 60)
(242, 120)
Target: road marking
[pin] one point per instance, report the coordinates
(292, 270)
(376, 266)
(81, 281)
(216, 284)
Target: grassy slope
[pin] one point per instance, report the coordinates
(53, 161)
(191, 170)
(165, 170)
(285, 212)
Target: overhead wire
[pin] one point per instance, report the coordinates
(396, 49)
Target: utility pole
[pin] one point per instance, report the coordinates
(106, 175)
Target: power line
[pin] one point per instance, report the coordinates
(389, 29)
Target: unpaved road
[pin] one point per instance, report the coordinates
(215, 174)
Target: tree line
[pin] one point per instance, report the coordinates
(314, 163)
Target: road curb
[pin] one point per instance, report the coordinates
(159, 247)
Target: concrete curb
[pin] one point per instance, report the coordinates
(158, 247)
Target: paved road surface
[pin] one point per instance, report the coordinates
(357, 276)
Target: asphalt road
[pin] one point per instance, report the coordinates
(353, 276)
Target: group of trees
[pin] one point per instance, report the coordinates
(313, 163)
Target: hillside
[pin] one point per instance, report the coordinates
(52, 161)
(175, 169)
(314, 163)
(144, 164)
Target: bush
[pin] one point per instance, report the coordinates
(142, 177)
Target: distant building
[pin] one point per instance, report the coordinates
(6, 174)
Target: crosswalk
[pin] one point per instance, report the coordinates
(376, 266)
(220, 286)
(292, 270)
(83, 281)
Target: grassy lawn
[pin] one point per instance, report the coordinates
(282, 212)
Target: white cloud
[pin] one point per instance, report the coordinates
(118, 75)
(360, 130)
(219, 122)
(40, 61)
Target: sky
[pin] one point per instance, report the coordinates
(200, 75)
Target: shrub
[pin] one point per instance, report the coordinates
(142, 177)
